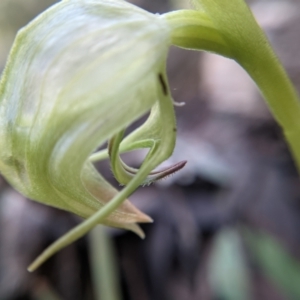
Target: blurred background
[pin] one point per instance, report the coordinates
(227, 227)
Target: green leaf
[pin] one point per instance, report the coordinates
(276, 262)
(229, 276)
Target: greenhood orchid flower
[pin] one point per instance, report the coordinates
(72, 83)
(84, 70)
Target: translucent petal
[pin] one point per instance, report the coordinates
(77, 75)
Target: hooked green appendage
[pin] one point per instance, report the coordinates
(124, 173)
(83, 71)
(149, 135)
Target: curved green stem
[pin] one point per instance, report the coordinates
(195, 30)
(232, 22)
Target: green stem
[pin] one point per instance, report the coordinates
(237, 35)
(279, 94)
(195, 30)
(103, 265)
